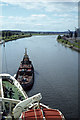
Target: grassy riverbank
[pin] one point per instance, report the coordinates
(9, 35)
(14, 37)
(73, 44)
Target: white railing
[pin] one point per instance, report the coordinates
(7, 100)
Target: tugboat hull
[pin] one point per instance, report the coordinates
(25, 73)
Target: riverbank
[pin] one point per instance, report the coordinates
(71, 43)
(13, 37)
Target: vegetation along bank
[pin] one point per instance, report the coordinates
(13, 35)
(70, 42)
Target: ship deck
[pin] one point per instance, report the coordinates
(11, 91)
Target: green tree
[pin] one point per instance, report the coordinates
(59, 37)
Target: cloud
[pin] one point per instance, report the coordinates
(48, 4)
(38, 15)
(56, 25)
(16, 18)
(63, 7)
(18, 1)
(39, 24)
(1, 19)
(3, 4)
(48, 15)
(34, 18)
(65, 16)
(2, 16)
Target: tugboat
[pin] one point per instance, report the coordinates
(15, 104)
(25, 73)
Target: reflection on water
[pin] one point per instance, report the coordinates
(56, 70)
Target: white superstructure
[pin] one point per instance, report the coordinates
(9, 100)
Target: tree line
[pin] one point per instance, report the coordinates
(9, 33)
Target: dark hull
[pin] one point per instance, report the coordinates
(29, 85)
(25, 74)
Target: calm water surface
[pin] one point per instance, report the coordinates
(56, 70)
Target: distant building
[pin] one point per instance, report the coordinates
(78, 32)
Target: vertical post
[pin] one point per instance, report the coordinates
(0, 109)
(25, 51)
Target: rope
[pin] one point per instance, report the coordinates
(43, 114)
(35, 114)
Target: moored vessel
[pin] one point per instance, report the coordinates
(25, 73)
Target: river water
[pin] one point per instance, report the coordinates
(56, 70)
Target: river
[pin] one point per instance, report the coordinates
(56, 70)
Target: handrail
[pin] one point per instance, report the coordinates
(9, 100)
(1, 88)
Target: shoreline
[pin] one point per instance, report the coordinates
(15, 37)
(12, 38)
(68, 44)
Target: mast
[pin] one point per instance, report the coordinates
(25, 51)
(25, 55)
